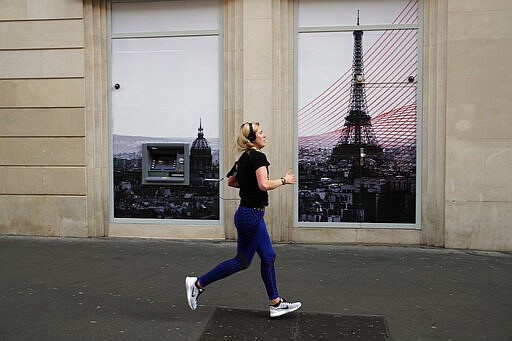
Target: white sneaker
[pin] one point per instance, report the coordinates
(193, 292)
(284, 308)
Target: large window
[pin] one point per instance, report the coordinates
(358, 77)
(165, 75)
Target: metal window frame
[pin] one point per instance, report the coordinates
(350, 28)
(110, 38)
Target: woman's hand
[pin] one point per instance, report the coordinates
(290, 178)
(233, 182)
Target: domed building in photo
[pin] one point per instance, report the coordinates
(200, 157)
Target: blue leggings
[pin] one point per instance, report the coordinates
(252, 237)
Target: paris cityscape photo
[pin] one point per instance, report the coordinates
(198, 200)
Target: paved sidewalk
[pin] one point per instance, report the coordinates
(133, 289)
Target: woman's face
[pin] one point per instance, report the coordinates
(260, 138)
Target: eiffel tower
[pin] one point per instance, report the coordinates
(357, 139)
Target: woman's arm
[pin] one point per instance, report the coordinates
(266, 184)
(232, 179)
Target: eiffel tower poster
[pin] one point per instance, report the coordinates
(362, 167)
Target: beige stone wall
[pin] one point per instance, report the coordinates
(43, 178)
(54, 156)
(263, 33)
(479, 125)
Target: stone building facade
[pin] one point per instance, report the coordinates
(54, 122)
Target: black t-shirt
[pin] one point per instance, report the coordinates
(250, 193)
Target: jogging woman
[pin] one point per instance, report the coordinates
(250, 175)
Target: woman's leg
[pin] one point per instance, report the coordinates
(267, 256)
(247, 222)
